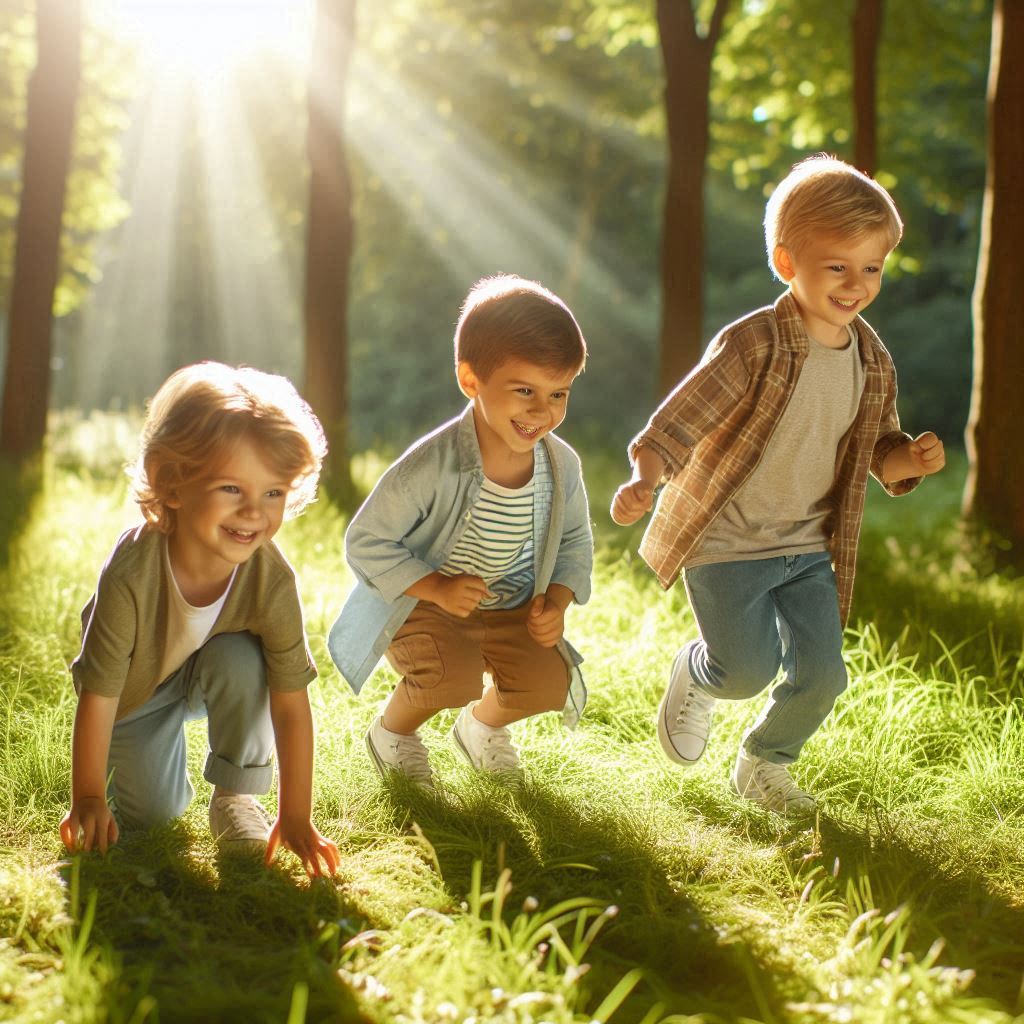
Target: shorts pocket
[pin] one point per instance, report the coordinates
(417, 658)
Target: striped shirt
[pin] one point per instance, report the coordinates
(713, 429)
(497, 544)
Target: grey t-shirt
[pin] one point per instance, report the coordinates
(781, 509)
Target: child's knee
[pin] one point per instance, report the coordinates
(234, 654)
(742, 675)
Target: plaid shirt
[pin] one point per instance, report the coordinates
(714, 427)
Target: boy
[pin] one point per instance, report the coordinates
(473, 544)
(196, 611)
(765, 449)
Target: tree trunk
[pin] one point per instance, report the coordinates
(867, 33)
(994, 497)
(687, 63)
(329, 237)
(49, 128)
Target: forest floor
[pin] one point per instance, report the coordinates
(611, 885)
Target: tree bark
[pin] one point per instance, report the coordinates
(329, 237)
(49, 129)
(686, 56)
(994, 496)
(867, 33)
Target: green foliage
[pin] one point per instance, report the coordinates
(902, 903)
(93, 204)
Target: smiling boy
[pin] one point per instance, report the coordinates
(764, 451)
(473, 544)
(196, 613)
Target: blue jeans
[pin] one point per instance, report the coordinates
(224, 680)
(757, 616)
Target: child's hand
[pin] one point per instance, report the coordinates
(921, 457)
(545, 621)
(632, 501)
(307, 844)
(460, 595)
(88, 823)
(927, 453)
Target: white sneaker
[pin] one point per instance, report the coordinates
(770, 784)
(239, 823)
(396, 752)
(484, 746)
(684, 715)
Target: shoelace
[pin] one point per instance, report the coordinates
(699, 702)
(776, 781)
(246, 817)
(413, 758)
(498, 753)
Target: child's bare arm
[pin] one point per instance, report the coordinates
(293, 829)
(89, 821)
(921, 457)
(635, 497)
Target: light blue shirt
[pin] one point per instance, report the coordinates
(409, 525)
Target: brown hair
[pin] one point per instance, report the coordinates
(509, 317)
(201, 412)
(823, 196)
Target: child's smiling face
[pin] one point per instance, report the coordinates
(223, 519)
(516, 406)
(833, 280)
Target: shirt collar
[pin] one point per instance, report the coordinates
(793, 335)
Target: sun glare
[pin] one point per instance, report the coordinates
(204, 38)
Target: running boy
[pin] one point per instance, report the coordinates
(765, 450)
(473, 544)
(196, 612)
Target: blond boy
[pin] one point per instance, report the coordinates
(764, 451)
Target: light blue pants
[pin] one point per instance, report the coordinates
(757, 616)
(224, 680)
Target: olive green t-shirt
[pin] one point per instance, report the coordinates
(124, 624)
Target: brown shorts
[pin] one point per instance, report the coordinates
(442, 659)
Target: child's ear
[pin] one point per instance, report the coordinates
(468, 383)
(783, 263)
(172, 500)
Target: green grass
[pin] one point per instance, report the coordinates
(612, 886)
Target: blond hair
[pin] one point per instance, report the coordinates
(508, 317)
(198, 416)
(823, 196)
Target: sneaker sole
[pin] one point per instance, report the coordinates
(664, 737)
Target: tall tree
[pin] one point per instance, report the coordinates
(49, 128)
(868, 16)
(329, 236)
(994, 496)
(687, 54)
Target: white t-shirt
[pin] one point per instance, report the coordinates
(187, 626)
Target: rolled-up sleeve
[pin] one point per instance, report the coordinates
(290, 665)
(890, 437)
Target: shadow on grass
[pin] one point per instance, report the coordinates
(981, 930)
(216, 939)
(556, 849)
